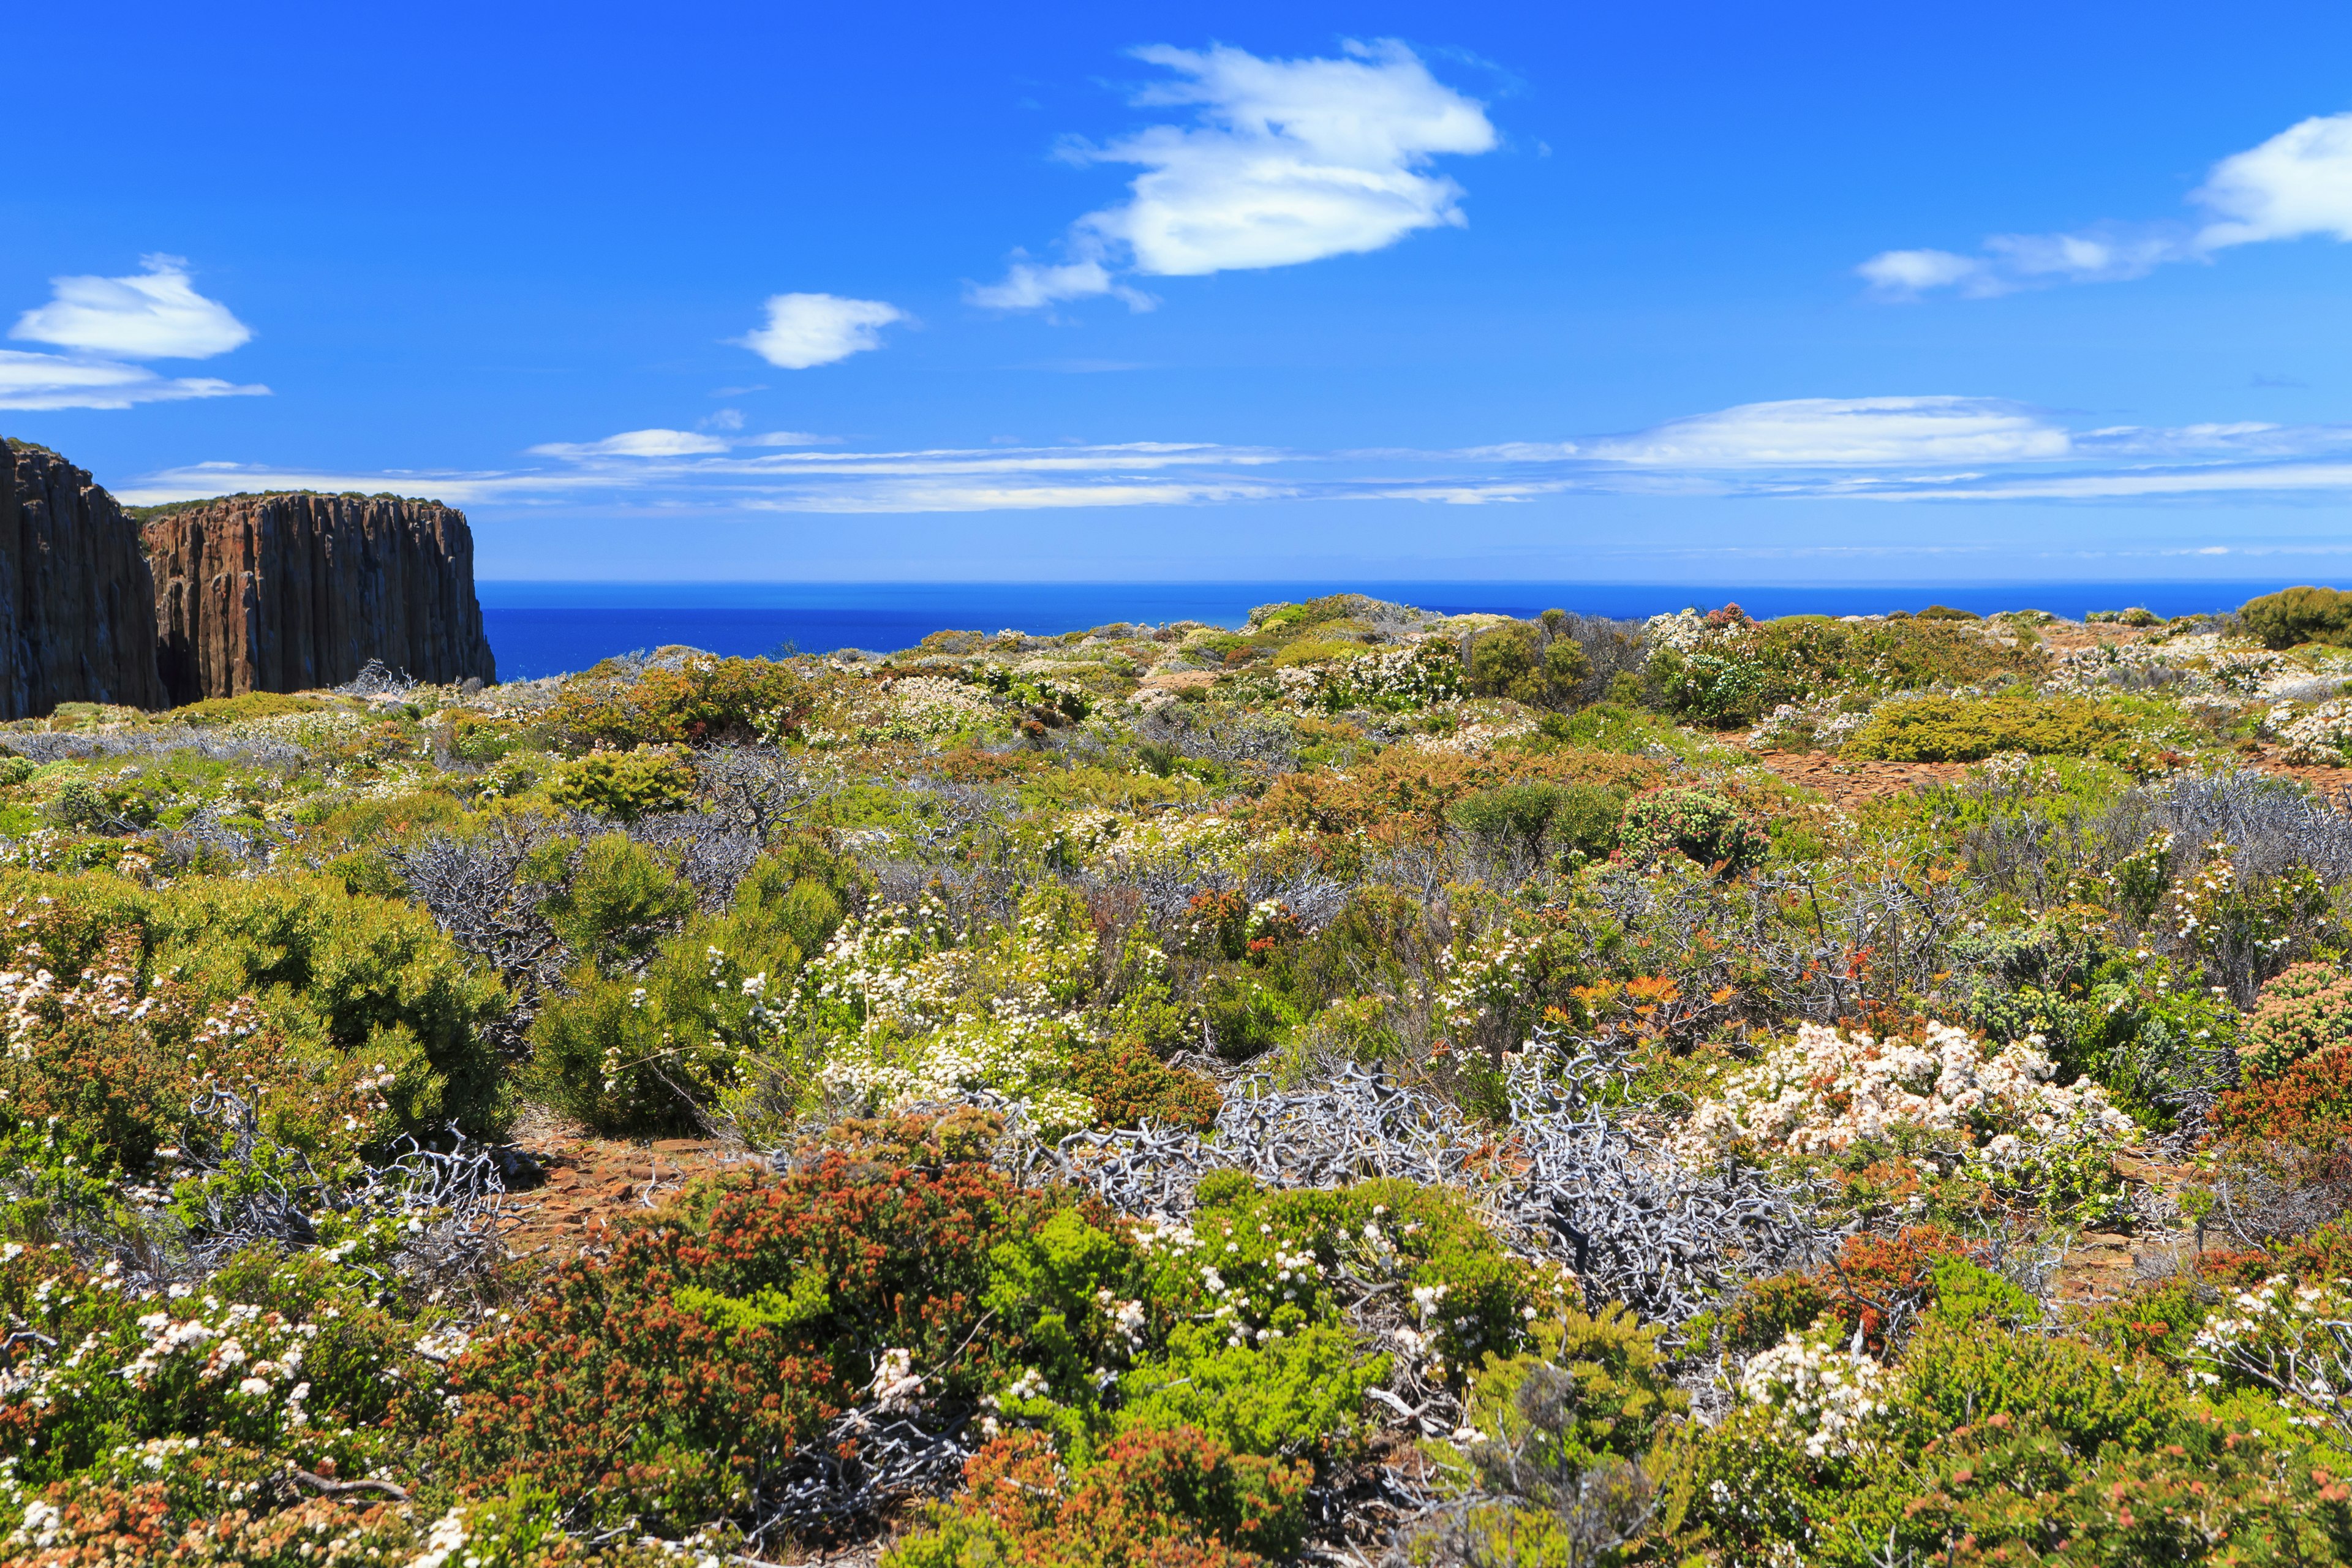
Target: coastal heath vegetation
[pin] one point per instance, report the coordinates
(1359, 1085)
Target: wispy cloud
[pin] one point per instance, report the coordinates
(35, 380)
(637, 444)
(1284, 161)
(1896, 448)
(1842, 433)
(804, 330)
(2296, 186)
(104, 321)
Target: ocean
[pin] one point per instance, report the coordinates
(548, 628)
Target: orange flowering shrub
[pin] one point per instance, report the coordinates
(1129, 1086)
(1874, 1278)
(701, 700)
(2305, 1010)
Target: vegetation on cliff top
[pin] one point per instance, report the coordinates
(1360, 1085)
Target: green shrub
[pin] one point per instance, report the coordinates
(365, 974)
(1300, 1394)
(366, 980)
(1578, 818)
(1939, 728)
(2294, 615)
(1590, 1388)
(625, 786)
(1696, 823)
(614, 899)
(1960, 1370)
(2010, 1490)
(1523, 661)
(629, 1049)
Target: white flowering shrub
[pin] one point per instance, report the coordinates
(1485, 975)
(1830, 1400)
(2322, 736)
(209, 1391)
(2293, 1341)
(903, 1014)
(1827, 1089)
(1390, 680)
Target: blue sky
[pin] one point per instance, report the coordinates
(1704, 293)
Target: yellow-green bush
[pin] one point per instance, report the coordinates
(1941, 729)
(248, 706)
(1523, 661)
(625, 786)
(2302, 614)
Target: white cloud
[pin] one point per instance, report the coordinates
(35, 380)
(637, 444)
(2296, 184)
(1285, 162)
(808, 330)
(1909, 271)
(1028, 285)
(154, 315)
(1834, 432)
(790, 438)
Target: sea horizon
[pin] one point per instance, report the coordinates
(543, 627)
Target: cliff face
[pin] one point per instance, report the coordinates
(77, 602)
(280, 592)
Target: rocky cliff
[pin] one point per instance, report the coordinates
(280, 592)
(76, 604)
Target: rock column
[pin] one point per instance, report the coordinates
(76, 602)
(284, 593)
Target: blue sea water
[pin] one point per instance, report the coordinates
(547, 628)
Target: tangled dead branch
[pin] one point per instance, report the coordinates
(1562, 1180)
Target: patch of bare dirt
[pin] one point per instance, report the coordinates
(590, 1183)
(1849, 785)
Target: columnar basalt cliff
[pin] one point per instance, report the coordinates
(282, 592)
(76, 604)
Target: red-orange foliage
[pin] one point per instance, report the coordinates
(1153, 1500)
(2309, 1104)
(1129, 1086)
(104, 1525)
(669, 1380)
(1874, 1273)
